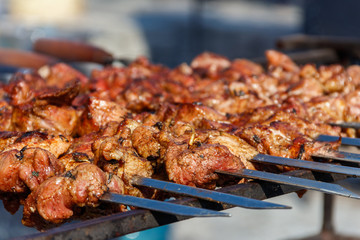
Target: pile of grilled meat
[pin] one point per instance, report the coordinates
(67, 139)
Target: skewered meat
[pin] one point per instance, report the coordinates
(27, 167)
(68, 139)
(56, 144)
(56, 197)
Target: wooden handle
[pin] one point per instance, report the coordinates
(24, 59)
(299, 41)
(72, 51)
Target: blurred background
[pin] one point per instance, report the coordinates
(170, 32)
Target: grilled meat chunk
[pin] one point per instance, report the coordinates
(121, 161)
(27, 167)
(37, 165)
(98, 114)
(195, 166)
(9, 172)
(55, 198)
(144, 142)
(56, 144)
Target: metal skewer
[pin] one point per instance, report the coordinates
(161, 206)
(354, 125)
(340, 156)
(315, 166)
(206, 194)
(330, 188)
(344, 140)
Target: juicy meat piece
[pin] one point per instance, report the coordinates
(354, 73)
(61, 96)
(37, 165)
(9, 172)
(210, 64)
(143, 95)
(241, 67)
(145, 143)
(46, 108)
(115, 184)
(23, 88)
(61, 74)
(55, 198)
(335, 79)
(88, 184)
(193, 114)
(128, 163)
(79, 152)
(277, 139)
(7, 138)
(352, 108)
(121, 161)
(56, 144)
(326, 109)
(306, 89)
(277, 59)
(6, 111)
(132, 166)
(45, 117)
(237, 146)
(98, 114)
(283, 140)
(26, 167)
(196, 166)
(304, 126)
(51, 200)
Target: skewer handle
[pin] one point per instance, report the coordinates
(72, 51)
(24, 59)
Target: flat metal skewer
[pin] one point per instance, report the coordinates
(330, 188)
(315, 166)
(161, 206)
(344, 140)
(206, 194)
(340, 156)
(354, 125)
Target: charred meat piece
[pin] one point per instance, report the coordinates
(79, 152)
(195, 166)
(121, 161)
(98, 114)
(59, 75)
(37, 165)
(27, 168)
(210, 64)
(40, 116)
(144, 142)
(56, 144)
(6, 111)
(55, 198)
(281, 139)
(9, 172)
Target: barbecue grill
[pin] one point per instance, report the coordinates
(119, 224)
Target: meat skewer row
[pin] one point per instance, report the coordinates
(64, 102)
(220, 150)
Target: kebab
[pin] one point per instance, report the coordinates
(52, 101)
(212, 155)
